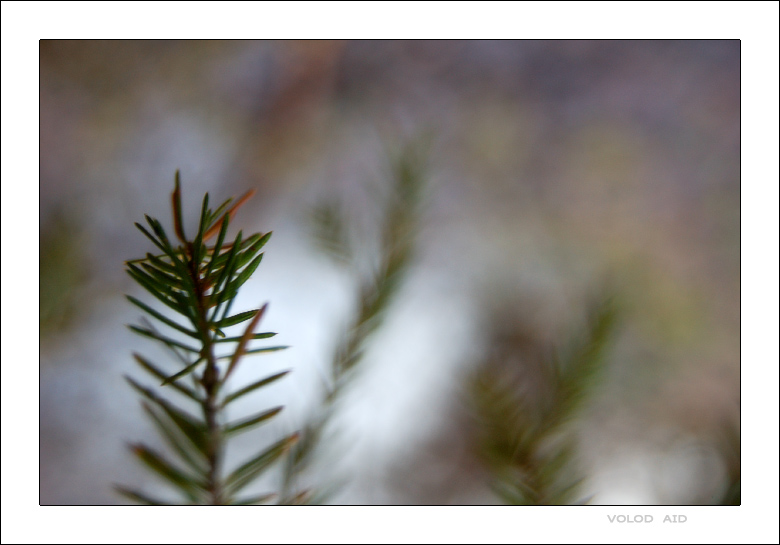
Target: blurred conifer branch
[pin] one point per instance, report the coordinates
(63, 269)
(199, 284)
(376, 290)
(729, 445)
(525, 435)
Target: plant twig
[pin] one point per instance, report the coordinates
(525, 440)
(200, 283)
(376, 291)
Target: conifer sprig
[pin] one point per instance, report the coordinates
(527, 440)
(376, 290)
(199, 283)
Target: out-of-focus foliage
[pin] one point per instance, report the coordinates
(525, 408)
(729, 446)
(63, 271)
(376, 288)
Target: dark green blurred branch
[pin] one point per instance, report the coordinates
(62, 272)
(730, 449)
(525, 435)
(376, 291)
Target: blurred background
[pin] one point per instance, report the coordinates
(556, 168)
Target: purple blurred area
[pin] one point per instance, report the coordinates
(555, 165)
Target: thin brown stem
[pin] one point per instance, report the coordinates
(210, 382)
